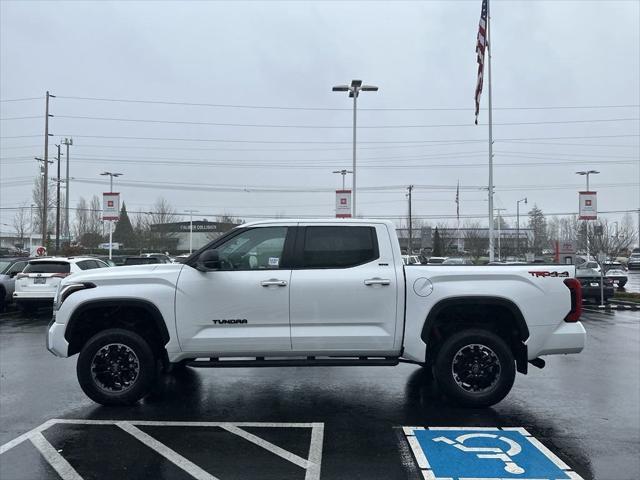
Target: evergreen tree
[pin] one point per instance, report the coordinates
(124, 233)
(538, 224)
(437, 244)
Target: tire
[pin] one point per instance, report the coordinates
(112, 384)
(478, 385)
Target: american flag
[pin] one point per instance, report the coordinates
(458, 201)
(480, 48)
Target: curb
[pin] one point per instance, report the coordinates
(618, 306)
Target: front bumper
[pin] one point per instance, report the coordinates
(56, 343)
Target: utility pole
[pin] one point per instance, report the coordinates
(45, 193)
(410, 245)
(67, 142)
(58, 205)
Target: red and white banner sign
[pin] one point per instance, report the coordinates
(588, 206)
(110, 206)
(343, 203)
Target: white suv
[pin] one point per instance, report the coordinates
(36, 286)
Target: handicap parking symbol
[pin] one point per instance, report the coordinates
(484, 453)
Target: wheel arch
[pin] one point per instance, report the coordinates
(114, 305)
(481, 303)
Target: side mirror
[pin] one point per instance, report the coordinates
(208, 260)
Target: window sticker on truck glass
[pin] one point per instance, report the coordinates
(274, 261)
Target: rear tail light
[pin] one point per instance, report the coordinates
(60, 275)
(21, 275)
(576, 300)
(608, 281)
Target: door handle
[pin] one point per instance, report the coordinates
(377, 281)
(273, 282)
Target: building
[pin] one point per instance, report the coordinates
(457, 241)
(175, 236)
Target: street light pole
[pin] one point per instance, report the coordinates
(499, 231)
(111, 175)
(191, 212)
(354, 90)
(343, 172)
(518, 226)
(67, 142)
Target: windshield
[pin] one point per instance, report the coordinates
(47, 267)
(4, 265)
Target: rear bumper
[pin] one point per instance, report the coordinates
(594, 292)
(567, 338)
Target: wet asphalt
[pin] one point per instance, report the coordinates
(585, 408)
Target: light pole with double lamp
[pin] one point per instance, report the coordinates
(354, 90)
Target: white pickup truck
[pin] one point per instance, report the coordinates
(314, 293)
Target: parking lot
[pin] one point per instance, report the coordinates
(310, 423)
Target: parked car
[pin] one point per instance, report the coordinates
(634, 262)
(590, 281)
(163, 258)
(182, 258)
(9, 268)
(254, 294)
(616, 272)
(436, 260)
(37, 284)
(411, 259)
(141, 261)
(106, 259)
(457, 261)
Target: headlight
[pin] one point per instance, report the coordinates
(67, 289)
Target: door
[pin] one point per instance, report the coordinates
(242, 308)
(344, 290)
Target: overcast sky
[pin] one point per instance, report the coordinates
(288, 55)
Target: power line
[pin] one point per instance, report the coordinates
(259, 125)
(273, 107)
(20, 99)
(329, 142)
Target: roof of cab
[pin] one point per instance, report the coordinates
(336, 221)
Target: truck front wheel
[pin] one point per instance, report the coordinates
(475, 368)
(116, 367)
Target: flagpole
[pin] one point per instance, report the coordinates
(491, 250)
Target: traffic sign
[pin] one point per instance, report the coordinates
(486, 453)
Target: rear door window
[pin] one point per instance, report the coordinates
(338, 247)
(47, 267)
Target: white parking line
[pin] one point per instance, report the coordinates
(281, 452)
(171, 455)
(51, 455)
(311, 465)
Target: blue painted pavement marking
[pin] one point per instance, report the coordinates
(484, 453)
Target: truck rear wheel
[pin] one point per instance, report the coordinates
(475, 368)
(116, 367)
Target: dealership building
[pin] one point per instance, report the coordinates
(177, 234)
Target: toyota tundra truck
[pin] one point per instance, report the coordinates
(314, 293)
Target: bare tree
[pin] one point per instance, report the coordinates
(610, 238)
(162, 213)
(447, 237)
(37, 194)
(82, 218)
(476, 241)
(21, 222)
(94, 216)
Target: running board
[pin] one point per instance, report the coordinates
(216, 362)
